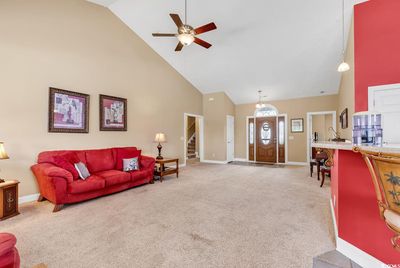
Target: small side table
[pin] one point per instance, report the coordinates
(161, 170)
(8, 199)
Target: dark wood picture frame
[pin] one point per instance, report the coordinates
(103, 126)
(83, 103)
(302, 125)
(344, 119)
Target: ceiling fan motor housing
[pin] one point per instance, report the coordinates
(186, 29)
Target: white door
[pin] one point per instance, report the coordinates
(230, 138)
(386, 100)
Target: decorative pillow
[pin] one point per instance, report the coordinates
(131, 164)
(125, 153)
(67, 161)
(82, 170)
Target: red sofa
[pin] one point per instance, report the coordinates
(9, 257)
(60, 187)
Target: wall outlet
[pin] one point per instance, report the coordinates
(213, 155)
(334, 201)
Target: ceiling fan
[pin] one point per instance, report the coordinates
(186, 33)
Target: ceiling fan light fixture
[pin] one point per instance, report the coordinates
(186, 39)
(343, 67)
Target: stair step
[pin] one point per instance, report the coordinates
(191, 156)
(333, 259)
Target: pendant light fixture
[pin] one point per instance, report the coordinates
(260, 104)
(344, 66)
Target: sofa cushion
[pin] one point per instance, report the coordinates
(100, 160)
(92, 183)
(48, 156)
(138, 175)
(125, 153)
(113, 177)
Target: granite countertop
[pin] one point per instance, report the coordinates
(349, 146)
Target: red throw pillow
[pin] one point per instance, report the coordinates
(67, 162)
(125, 153)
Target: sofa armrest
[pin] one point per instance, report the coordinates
(147, 162)
(50, 170)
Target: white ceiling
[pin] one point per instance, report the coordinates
(286, 48)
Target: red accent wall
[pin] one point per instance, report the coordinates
(376, 47)
(358, 218)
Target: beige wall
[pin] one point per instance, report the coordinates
(295, 108)
(346, 91)
(321, 124)
(76, 45)
(215, 112)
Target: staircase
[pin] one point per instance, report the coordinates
(191, 148)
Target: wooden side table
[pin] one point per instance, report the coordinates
(8, 199)
(162, 170)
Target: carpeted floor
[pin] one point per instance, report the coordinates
(212, 216)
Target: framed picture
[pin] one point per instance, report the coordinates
(113, 113)
(297, 125)
(68, 111)
(344, 119)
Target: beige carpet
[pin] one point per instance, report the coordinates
(212, 216)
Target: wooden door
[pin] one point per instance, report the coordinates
(266, 139)
(251, 138)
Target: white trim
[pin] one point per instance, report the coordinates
(28, 198)
(357, 255)
(334, 220)
(201, 134)
(309, 127)
(214, 162)
(182, 165)
(352, 252)
(241, 160)
(297, 163)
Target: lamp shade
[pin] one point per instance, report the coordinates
(343, 67)
(3, 153)
(160, 137)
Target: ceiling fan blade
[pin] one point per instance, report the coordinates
(205, 28)
(163, 35)
(202, 43)
(179, 47)
(177, 20)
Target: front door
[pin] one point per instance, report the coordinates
(266, 139)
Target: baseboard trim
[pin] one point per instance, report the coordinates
(28, 198)
(352, 252)
(241, 159)
(297, 163)
(214, 162)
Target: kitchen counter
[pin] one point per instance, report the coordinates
(394, 149)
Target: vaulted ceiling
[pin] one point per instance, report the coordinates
(286, 48)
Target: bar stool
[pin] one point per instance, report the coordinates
(325, 171)
(385, 173)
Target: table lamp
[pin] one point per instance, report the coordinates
(160, 138)
(3, 155)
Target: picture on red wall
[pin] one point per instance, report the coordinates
(68, 111)
(113, 113)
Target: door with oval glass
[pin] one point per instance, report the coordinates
(266, 139)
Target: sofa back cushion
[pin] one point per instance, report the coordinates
(100, 160)
(48, 156)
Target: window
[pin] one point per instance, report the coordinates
(251, 133)
(281, 138)
(268, 110)
(266, 133)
